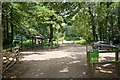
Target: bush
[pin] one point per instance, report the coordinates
(56, 44)
(82, 42)
(72, 38)
(68, 38)
(27, 45)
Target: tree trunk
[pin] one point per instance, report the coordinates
(51, 34)
(100, 31)
(0, 47)
(12, 26)
(108, 27)
(93, 24)
(0, 51)
(7, 27)
(111, 27)
(105, 29)
(119, 18)
(3, 26)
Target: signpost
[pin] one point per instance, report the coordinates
(94, 55)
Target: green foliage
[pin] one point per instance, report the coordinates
(27, 45)
(29, 19)
(91, 21)
(94, 21)
(56, 44)
(82, 42)
(68, 38)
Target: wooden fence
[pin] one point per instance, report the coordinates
(116, 52)
(10, 56)
(91, 67)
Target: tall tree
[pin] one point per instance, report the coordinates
(90, 10)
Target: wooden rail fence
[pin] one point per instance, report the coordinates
(116, 52)
(10, 56)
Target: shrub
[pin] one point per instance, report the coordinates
(83, 41)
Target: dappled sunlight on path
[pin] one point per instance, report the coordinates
(66, 50)
(47, 55)
(67, 61)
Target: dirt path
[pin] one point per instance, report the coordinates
(67, 61)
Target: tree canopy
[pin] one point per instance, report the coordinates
(89, 20)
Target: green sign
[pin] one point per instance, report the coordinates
(94, 55)
(17, 39)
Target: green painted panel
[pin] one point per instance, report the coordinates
(94, 55)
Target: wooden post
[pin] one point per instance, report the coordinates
(89, 69)
(88, 56)
(116, 55)
(0, 45)
(116, 62)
